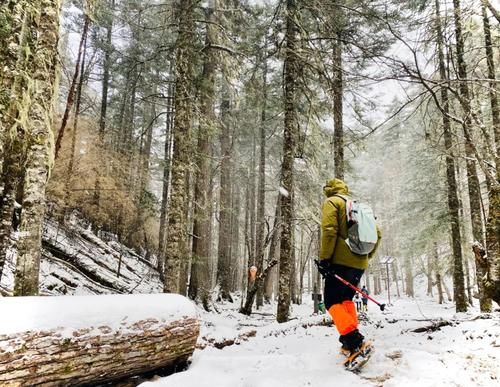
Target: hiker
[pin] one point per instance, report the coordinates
(336, 256)
(357, 301)
(365, 299)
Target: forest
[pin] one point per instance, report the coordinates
(182, 147)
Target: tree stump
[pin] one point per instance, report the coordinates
(55, 341)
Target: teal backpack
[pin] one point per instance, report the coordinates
(361, 227)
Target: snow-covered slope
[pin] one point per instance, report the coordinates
(76, 262)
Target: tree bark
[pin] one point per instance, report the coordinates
(14, 105)
(472, 177)
(453, 204)
(273, 250)
(253, 190)
(167, 167)
(95, 355)
(492, 288)
(338, 94)
(176, 246)
(106, 71)
(237, 268)
(224, 245)
(291, 126)
(261, 194)
(429, 275)
(79, 89)
(437, 270)
(38, 165)
(495, 110)
(199, 286)
(409, 277)
(13, 36)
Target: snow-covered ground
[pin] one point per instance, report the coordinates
(302, 352)
(305, 352)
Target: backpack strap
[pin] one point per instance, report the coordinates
(349, 209)
(346, 198)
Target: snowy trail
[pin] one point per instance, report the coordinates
(466, 354)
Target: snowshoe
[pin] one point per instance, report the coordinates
(358, 358)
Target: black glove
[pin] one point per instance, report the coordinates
(324, 267)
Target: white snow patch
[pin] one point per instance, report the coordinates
(284, 191)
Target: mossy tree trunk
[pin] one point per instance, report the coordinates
(176, 245)
(40, 151)
(15, 98)
(199, 286)
(291, 78)
(224, 243)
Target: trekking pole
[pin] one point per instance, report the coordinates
(345, 282)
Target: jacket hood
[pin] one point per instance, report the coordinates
(335, 186)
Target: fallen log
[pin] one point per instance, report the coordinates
(77, 340)
(435, 326)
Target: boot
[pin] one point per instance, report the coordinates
(351, 341)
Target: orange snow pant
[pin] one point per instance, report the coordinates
(344, 317)
(338, 298)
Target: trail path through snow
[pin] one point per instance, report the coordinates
(291, 355)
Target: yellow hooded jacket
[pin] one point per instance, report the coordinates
(334, 229)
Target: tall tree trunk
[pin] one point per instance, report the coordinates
(108, 48)
(199, 287)
(176, 246)
(338, 94)
(167, 162)
(472, 177)
(453, 204)
(13, 15)
(437, 270)
(273, 250)
(490, 62)
(492, 289)
(13, 35)
(261, 197)
(461, 213)
(145, 150)
(235, 236)
(71, 93)
(245, 278)
(224, 245)
(291, 126)
(118, 138)
(395, 276)
(127, 145)
(409, 277)
(106, 65)
(429, 275)
(14, 106)
(186, 263)
(253, 189)
(79, 89)
(39, 152)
